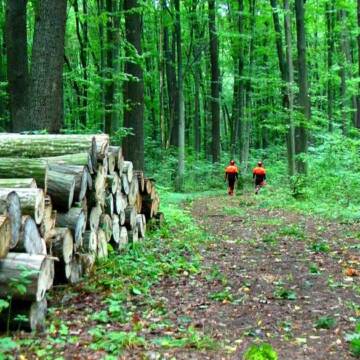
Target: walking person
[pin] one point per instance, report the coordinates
(259, 176)
(231, 175)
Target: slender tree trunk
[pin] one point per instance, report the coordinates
(238, 110)
(181, 114)
(301, 136)
(46, 110)
(247, 122)
(116, 63)
(3, 77)
(197, 55)
(170, 77)
(290, 82)
(161, 65)
(17, 63)
(110, 84)
(174, 125)
(215, 82)
(285, 62)
(81, 32)
(330, 22)
(134, 86)
(100, 10)
(358, 41)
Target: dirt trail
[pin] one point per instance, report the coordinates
(266, 275)
(269, 274)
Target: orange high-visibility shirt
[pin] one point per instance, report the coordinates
(259, 171)
(231, 169)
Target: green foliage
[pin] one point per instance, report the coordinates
(320, 247)
(224, 295)
(3, 305)
(286, 294)
(325, 322)
(114, 342)
(354, 340)
(190, 338)
(262, 351)
(314, 269)
(6, 345)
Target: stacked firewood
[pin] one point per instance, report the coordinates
(63, 199)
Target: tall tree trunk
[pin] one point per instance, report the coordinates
(46, 110)
(81, 32)
(246, 124)
(215, 82)
(285, 63)
(174, 125)
(17, 63)
(238, 92)
(117, 7)
(330, 22)
(197, 55)
(290, 82)
(358, 41)
(134, 86)
(100, 10)
(3, 77)
(82, 96)
(347, 63)
(110, 84)
(181, 111)
(301, 136)
(161, 65)
(169, 59)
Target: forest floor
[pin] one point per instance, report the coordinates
(260, 275)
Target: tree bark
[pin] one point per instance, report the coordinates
(238, 102)
(46, 110)
(358, 42)
(330, 23)
(75, 220)
(290, 83)
(284, 66)
(133, 146)
(90, 241)
(102, 251)
(61, 188)
(30, 241)
(301, 137)
(181, 106)
(36, 146)
(32, 201)
(17, 63)
(40, 276)
(5, 235)
(18, 183)
(10, 205)
(80, 173)
(63, 245)
(215, 82)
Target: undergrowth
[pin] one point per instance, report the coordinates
(130, 313)
(331, 189)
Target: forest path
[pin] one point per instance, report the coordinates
(269, 274)
(251, 274)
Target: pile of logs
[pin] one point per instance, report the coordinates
(63, 199)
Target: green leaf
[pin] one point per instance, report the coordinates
(135, 291)
(260, 352)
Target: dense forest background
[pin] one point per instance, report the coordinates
(191, 83)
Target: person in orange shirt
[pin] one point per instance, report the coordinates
(231, 175)
(259, 176)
